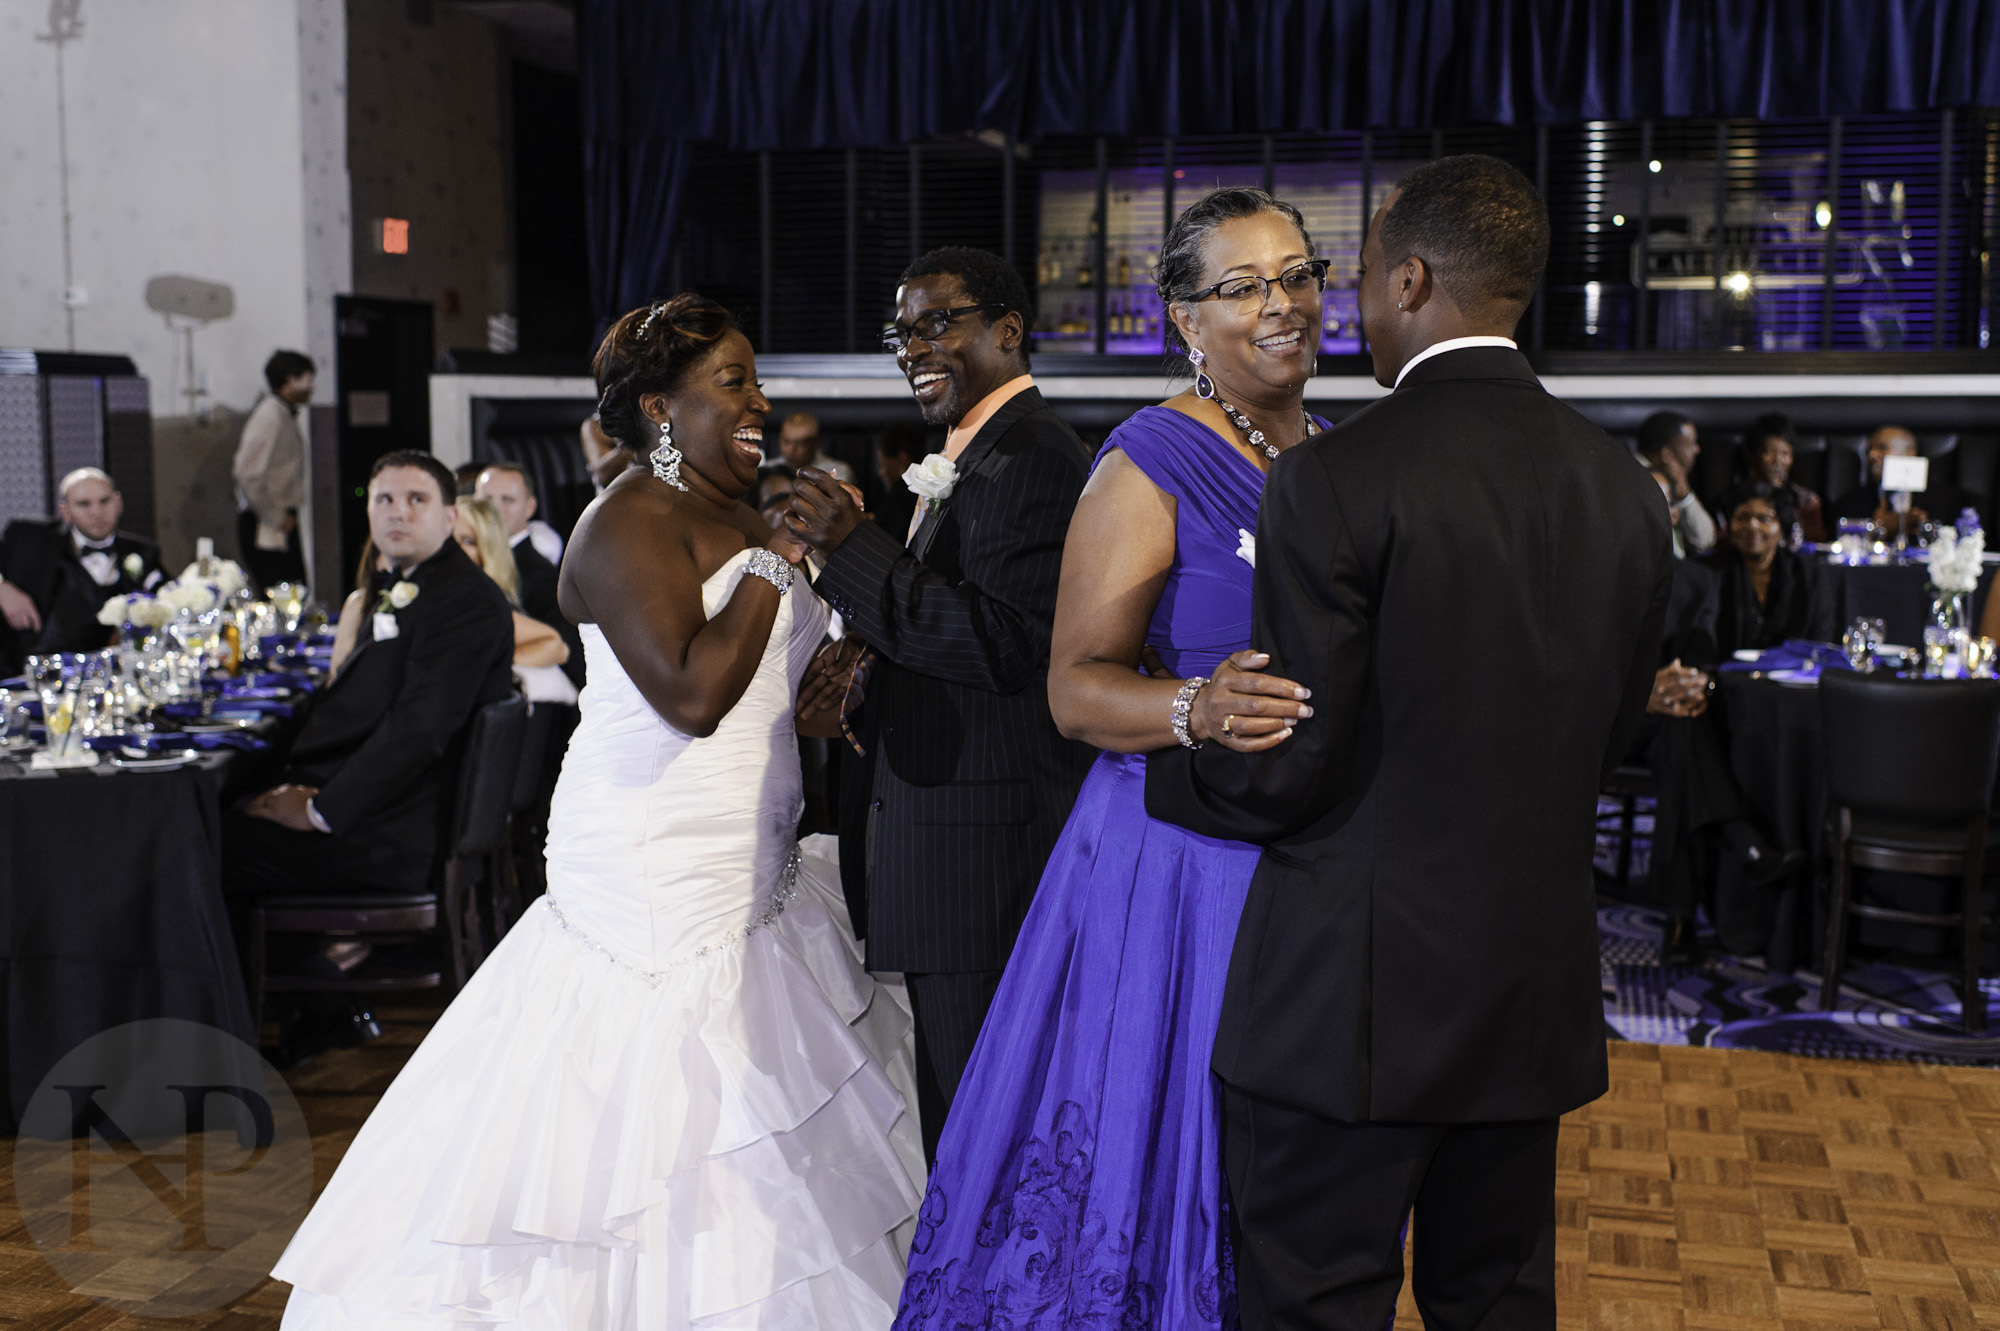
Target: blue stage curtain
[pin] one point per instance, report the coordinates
(793, 74)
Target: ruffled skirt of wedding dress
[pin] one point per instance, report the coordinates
(575, 1147)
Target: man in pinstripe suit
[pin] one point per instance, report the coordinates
(966, 782)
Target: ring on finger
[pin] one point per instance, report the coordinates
(1225, 726)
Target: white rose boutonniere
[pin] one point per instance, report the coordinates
(1246, 546)
(397, 597)
(933, 478)
(134, 566)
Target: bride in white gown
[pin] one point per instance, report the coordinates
(671, 1098)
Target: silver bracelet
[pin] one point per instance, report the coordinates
(772, 568)
(1183, 705)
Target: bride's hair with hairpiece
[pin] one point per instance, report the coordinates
(650, 350)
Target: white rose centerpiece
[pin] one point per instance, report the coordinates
(225, 575)
(1956, 553)
(932, 479)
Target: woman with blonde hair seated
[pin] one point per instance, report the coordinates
(539, 650)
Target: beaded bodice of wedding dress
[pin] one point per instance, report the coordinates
(671, 1098)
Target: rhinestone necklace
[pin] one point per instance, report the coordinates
(1255, 435)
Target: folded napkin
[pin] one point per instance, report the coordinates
(1808, 658)
(234, 739)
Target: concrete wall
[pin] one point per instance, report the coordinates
(426, 142)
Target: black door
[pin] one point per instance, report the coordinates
(383, 369)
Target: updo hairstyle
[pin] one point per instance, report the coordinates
(650, 350)
(1180, 271)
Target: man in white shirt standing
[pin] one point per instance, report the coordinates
(270, 470)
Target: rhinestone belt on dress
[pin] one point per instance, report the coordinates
(788, 886)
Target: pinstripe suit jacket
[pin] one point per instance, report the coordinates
(968, 781)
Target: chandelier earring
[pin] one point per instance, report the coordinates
(1204, 387)
(666, 459)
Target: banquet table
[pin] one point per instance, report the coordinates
(1778, 755)
(111, 905)
(1898, 594)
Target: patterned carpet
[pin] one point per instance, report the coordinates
(1885, 1010)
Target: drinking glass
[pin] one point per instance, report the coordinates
(1854, 540)
(1937, 644)
(1860, 651)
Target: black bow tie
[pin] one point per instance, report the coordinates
(88, 544)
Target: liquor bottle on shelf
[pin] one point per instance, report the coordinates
(1124, 269)
(1083, 273)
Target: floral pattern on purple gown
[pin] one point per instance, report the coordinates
(1079, 1182)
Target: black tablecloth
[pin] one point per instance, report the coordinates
(111, 909)
(1897, 594)
(1777, 756)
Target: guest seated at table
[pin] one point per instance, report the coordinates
(1701, 809)
(897, 448)
(539, 651)
(56, 575)
(798, 448)
(358, 807)
(1941, 502)
(1768, 446)
(1766, 592)
(537, 553)
(1667, 443)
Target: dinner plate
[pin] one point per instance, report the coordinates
(1798, 679)
(1747, 654)
(217, 725)
(159, 762)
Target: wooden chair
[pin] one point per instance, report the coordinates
(449, 912)
(1910, 767)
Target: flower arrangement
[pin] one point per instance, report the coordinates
(224, 575)
(1956, 553)
(143, 609)
(190, 592)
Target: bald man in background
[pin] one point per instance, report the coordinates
(56, 575)
(1941, 502)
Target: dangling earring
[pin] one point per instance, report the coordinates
(666, 459)
(1204, 387)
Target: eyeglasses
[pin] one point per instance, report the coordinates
(1309, 276)
(930, 325)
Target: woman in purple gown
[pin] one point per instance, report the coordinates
(1079, 1181)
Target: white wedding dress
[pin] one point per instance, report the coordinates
(672, 1097)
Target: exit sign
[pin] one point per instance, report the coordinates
(395, 235)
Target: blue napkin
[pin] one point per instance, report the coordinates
(235, 739)
(237, 706)
(20, 683)
(1809, 658)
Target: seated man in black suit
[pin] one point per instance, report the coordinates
(358, 807)
(512, 492)
(55, 576)
(1940, 503)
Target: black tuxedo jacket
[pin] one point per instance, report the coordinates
(40, 558)
(378, 740)
(538, 601)
(968, 781)
(1471, 578)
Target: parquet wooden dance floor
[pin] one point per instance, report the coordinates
(1710, 1189)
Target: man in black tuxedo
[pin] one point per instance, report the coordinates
(947, 827)
(56, 576)
(1471, 579)
(358, 807)
(512, 491)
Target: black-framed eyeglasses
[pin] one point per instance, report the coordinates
(930, 325)
(1297, 281)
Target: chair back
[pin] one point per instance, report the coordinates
(1924, 750)
(534, 757)
(486, 776)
